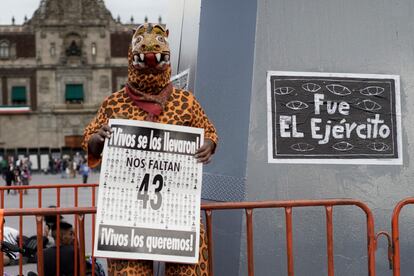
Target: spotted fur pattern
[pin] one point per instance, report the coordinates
(181, 109)
(150, 83)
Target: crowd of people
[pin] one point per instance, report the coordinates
(69, 167)
(16, 173)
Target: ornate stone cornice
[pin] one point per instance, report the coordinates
(64, 12)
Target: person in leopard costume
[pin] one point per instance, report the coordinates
(149, 95)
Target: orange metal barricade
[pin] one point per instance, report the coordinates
(396, 234)
(40, 188)
(39, 213)
(288, 206)
(209, 208)
(59, 188)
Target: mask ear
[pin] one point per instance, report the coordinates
(167, 32)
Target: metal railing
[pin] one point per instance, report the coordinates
(39, 213)
(39, 189)
(395, 223)
(209, 209)
(288, 205)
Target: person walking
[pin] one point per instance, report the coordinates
(3, 167)
(64, 167)
(9, 174)
(84, 171)
(25, 175)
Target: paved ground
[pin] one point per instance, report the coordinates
(49, 197)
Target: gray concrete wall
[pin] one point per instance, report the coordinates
(183, 21)
(223, 86)
(344, 36)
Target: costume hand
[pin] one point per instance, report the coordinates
(96, 142)
(205, 153)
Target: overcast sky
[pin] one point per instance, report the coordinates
(125, 8)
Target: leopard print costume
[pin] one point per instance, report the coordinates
(181, 109)
(149, 72)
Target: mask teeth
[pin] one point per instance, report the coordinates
(140, 64)
(164, 62)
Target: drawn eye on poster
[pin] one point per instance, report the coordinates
(332, 118)
(181, 80)
(149, 193)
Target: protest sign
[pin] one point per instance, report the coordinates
(149, 193)
(332, 118)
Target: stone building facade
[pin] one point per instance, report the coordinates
(55, 70)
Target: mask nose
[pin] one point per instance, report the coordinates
(150, 47)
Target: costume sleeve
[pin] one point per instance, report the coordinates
(100, 119)
(201, 120)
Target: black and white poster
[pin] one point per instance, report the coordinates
(149, 193)
(331, 118)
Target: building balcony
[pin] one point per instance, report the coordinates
(76, 108)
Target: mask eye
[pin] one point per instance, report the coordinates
(161, 39)
(139, 38)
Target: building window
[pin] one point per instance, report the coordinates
(93, 49)
(19, 95)
(52, 49)
(73, 49)
(74, 93)
(4, 49)
(73, 141)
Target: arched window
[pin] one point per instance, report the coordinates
(73, 45)
(93, 49)
(52, 49)
(4, 49)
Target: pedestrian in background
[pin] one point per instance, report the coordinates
(64, 167)
(73, 168)
(84, 171)
(3, 167)
(9, 174)
(25, 175)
